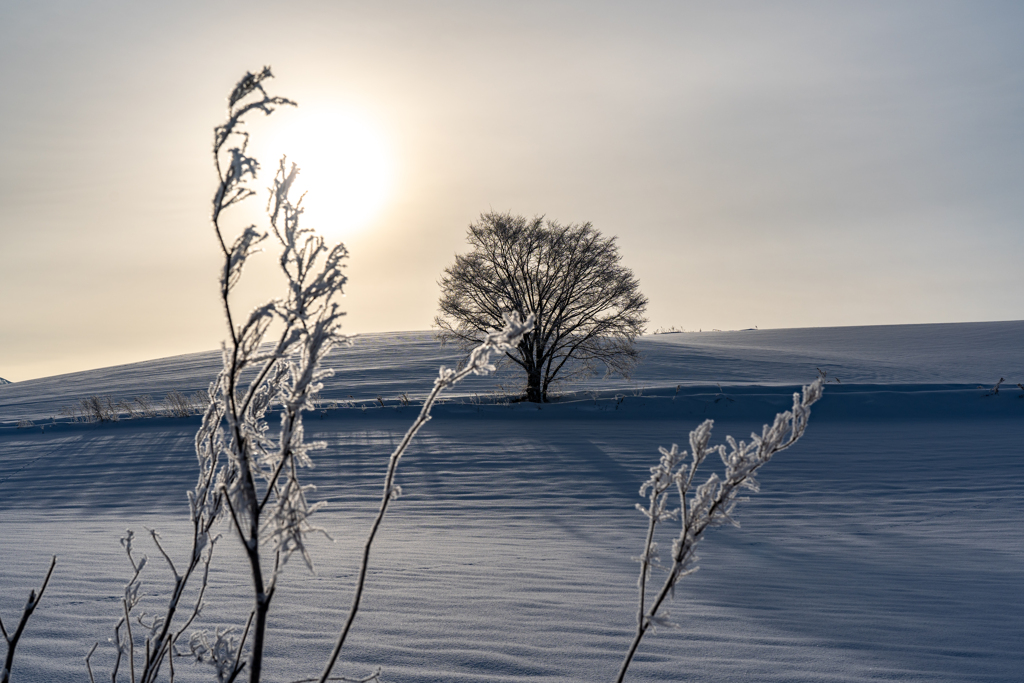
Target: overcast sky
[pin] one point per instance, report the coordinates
(765, 164)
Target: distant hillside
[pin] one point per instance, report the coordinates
(4, 381)
(396, 363)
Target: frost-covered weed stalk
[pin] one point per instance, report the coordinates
(709, 504)
(243, 470)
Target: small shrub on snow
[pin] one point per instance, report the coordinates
(72, 413)
(177, 404)
(99, 408)
(823, 376)
(994, 391)
(200, 401)
(146, 406)
(127, 407)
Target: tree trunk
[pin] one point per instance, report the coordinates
(534, 391)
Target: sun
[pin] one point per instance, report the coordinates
(345, 167)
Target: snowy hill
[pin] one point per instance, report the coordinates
(887, 545)
(389, 364)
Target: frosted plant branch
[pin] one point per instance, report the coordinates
(26, 612)
(710, 504)
(243, 470)
(88, 662)
(479, 363)
(262, 493)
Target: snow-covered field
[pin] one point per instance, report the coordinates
(888, 545)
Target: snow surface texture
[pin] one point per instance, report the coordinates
(886, 545)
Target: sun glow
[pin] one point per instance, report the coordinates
(345, 167)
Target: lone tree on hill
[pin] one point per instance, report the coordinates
(588, 307)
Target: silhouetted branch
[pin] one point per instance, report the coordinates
(26, 612)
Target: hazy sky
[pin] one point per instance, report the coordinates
(763, 163)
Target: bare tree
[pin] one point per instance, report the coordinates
(587, 306)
